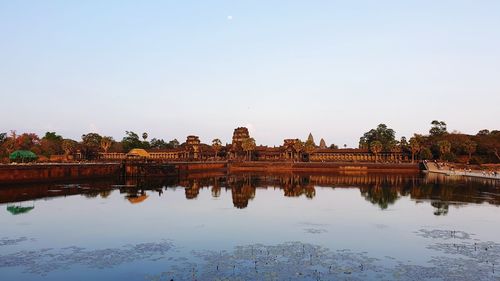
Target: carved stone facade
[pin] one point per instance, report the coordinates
(239, 135)
(291, 150)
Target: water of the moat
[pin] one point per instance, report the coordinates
(253, 227)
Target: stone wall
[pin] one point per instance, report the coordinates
(54, 172)
(320, 167)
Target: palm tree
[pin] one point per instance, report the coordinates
(444, 148)
(106, 143)
(248, 145)
(216, 145)
(298, 146)
(414, 147)
(470, 147)
(376, 148)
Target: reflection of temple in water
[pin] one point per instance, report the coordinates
(377, 188)
(380, 189)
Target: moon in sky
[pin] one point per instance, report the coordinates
(229, 17)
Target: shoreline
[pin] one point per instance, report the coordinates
(51, 172)
(433, 168)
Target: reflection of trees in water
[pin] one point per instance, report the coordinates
(377, 188)
(382, 195)
(193, 190)
(295, 186)
(441, 208)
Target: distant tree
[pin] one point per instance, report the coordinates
(483, 132)
(174, 143)
(333, 146)
(248, 146)
(50, 144)
(106, 143)
(469, 147)
(69, 146)
(27, 141)
(383, 134)
(131, 141)
(52, 136)
(117, 146)
(216, 145)
(438, 128)
(488, 146)
(9, 143)
(376, 148)
(3, 141)
(144, 136)
(414, 147)
(444, 148)
(425, 153)
(298, 147)
(158, 144)
(92, 139)
(91, 144)
(403, 144)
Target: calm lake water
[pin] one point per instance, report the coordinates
(253, 227)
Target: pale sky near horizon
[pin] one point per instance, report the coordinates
(282, 68)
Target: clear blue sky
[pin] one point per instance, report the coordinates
(283, 68)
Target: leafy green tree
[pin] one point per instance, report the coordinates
(92, 140)
(425, 153)
(248, 146)
(376, 148)
(298, 147)
(483, 132)
(470, 147)
(69, 146)
(3, 141)
(131, 141)
(438, 128)
(403, 144)
(91, 144)
(174, 143)
(52, 136)
(8, 144)
(383, 134)
(106, 143)
(216, 145)
(158, 144)
(444, 148)
(28, 141)
(50, 144)
(414, 147)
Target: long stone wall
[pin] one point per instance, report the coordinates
(141, 169)
(54, 172)
(320, 167)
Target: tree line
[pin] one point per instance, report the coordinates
(89, 145)
(482, 147)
